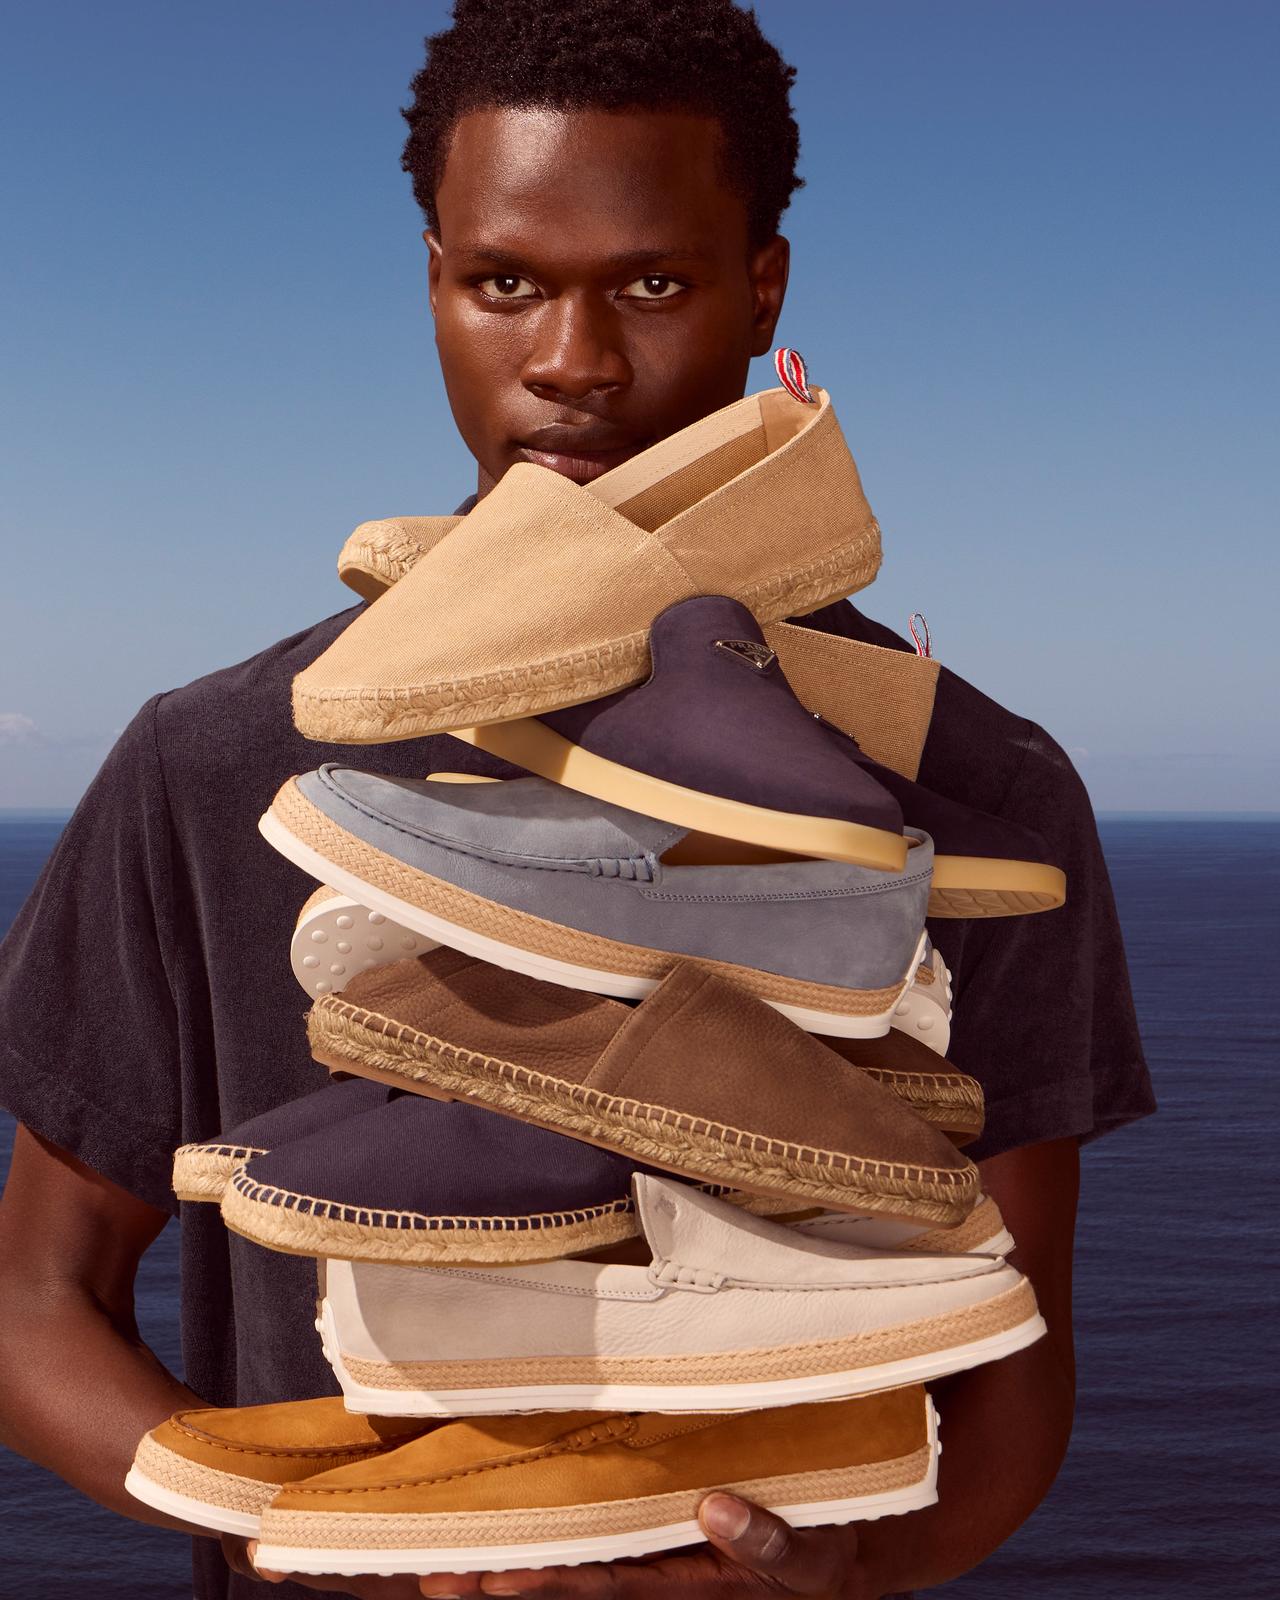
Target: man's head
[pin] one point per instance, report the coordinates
(602, 185)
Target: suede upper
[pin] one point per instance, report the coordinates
(283, 1442)
(697, 1047)
(572, 1458)
(686, 723)
(535, 847)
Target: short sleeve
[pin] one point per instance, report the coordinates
(89, 1049)
(1044, 1014)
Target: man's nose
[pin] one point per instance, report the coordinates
(578, 351)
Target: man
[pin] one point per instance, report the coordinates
(602, 186)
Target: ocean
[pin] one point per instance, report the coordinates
(1171, 1485)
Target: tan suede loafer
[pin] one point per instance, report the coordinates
(768, 1108)
(567, 1487)
(220, 1468)
(542, 596)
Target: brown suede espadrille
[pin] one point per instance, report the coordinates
(699, 1079)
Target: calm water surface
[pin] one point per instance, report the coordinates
(1171, 1485)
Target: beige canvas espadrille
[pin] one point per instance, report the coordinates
(542, 596)
(502, 1493)
(882, 698)
(769, 1110)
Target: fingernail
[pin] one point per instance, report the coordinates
(724, 1516)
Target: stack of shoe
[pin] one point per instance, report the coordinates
(637, 1060)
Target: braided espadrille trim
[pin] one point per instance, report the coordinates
(952, 1101)
(372, 714)
(648, 1132)
(812, 1359)
(521, 928)
(307, 1225)
(206, 1484)
(331, 1529)
(202, 1171)
(981, 1225)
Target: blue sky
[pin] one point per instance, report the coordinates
(1035, 265)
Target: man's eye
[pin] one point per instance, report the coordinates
(655, 286)
(507, 287)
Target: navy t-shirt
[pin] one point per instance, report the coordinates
(146, 997)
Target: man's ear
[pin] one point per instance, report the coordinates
(435, 252)
(768, 268)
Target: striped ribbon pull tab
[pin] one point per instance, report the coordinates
(920, 633)
(793, 375)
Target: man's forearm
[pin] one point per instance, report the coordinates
(78, 1388)
(1004, 1431)
(77, 1392)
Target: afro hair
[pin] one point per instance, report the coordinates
(707, 57)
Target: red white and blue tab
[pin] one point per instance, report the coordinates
(793, 375)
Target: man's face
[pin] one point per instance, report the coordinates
(592, 285)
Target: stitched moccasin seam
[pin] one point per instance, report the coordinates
(464, 847)
(507, 1282)
(561, 1447)
(294, 1452)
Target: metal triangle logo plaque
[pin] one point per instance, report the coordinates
(758, 657)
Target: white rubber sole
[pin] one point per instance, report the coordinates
(549, 969)
(608, 1547)
(334, 941)
(201, 1513)
(341, 937)
(924, 1011)
(673, 1398)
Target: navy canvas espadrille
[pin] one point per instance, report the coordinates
(423, 1182)
(202, 1170)
(714, 740)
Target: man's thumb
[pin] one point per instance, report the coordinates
(754, 1538)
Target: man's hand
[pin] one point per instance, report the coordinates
(78, 1388)
(751, 1552)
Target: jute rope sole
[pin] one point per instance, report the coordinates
(951, 1101)
(301, 831)
(176, 1473)
(308, 1225)
(348, 1038)
(202, 1171)
(324, 1539)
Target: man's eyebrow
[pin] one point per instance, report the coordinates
(477, 255)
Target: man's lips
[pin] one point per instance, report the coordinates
(576, 454)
